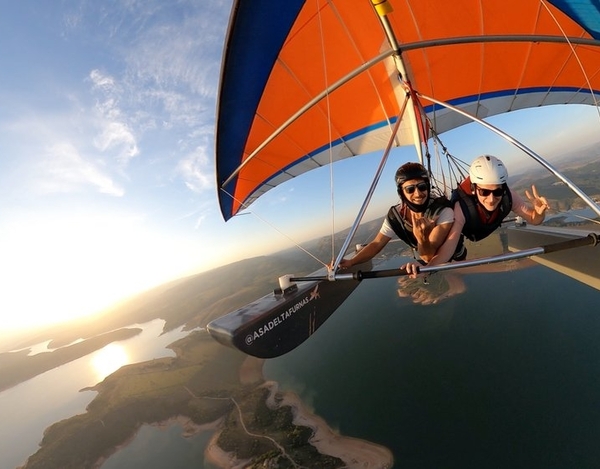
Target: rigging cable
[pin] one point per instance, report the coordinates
(245, 206)
(596, 103)
(392, 126)
(329, 132)
(581, 67)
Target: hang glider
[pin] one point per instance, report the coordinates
(308, 83)
(281, 321)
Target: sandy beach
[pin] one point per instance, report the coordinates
(216, 456)
(354, 452)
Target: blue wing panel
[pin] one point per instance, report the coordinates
(585, 12)
(257, 30)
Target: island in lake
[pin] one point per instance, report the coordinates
(206, 386)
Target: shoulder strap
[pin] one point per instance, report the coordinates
(506, 204)
(437, 205)
(402, 229)
(469, 209)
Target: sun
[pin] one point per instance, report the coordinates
(59, 269)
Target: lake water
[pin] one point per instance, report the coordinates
(27, 409)
(503, 375)
(575, 216)
(160, 448)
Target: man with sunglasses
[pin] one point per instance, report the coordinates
(420, 220)
(481, 202)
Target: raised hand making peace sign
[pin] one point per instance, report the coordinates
(540, 204)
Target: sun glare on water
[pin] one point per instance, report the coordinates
(108, 360)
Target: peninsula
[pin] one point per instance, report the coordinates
(209, 386)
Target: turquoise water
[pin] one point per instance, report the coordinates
(505, 375)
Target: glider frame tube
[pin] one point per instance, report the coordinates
(523, 148)
(591, 239)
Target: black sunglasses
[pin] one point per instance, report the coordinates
(486, 192)
(422, 186)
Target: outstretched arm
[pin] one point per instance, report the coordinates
(368, 252)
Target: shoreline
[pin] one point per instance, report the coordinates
(188, 426)
(354, 452)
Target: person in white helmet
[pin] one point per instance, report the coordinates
(481, 202)
(422, 220)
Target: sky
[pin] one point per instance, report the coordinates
(107, 185)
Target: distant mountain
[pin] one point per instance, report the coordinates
(584, 173)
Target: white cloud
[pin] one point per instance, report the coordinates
(63, 170)
(155, 100)
(175, 55)
(196, 172)
(163, 90)
(199, 221)
(53, 153)
(115, 133)
(102, 81)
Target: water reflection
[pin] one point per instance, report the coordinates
(433, 289)
(439, 286)
(28, 408)
(108, 360)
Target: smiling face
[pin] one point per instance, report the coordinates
(489, 195)
(416, 191)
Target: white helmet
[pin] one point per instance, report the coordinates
(488, 169)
